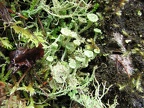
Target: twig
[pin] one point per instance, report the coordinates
(23, 75)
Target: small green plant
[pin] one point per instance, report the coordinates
(63, 25)
(92, 99)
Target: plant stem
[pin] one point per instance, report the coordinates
(86, 27)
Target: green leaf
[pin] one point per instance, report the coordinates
(50, 58)
(28, 88)
(88, 53)
(5, 43)
(31, 105)
(35, 38)
(97, 50)
(95, 7)
(77, 42)
(72, 63)
(82, 20)
(13, 89)
(70, 47)
(92, 17)
(97, 30)
(67, 32)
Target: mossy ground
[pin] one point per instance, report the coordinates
(128, 20)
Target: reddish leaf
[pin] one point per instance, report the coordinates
(24, 57)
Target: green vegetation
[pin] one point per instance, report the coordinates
(60, 26)
(63, 77)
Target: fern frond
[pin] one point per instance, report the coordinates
(28, 35)
(5, 43)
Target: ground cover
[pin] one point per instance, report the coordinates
(72, 54)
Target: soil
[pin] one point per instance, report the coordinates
(125, 18)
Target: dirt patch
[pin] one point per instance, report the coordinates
(125, 18)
